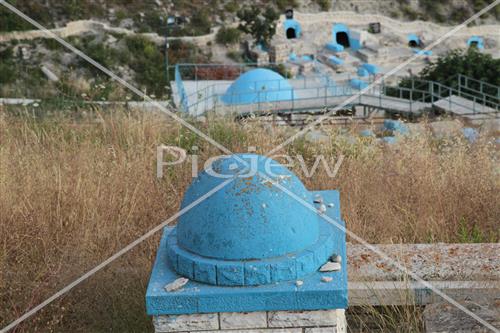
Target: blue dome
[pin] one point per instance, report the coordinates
(258, 86)
(250, 208)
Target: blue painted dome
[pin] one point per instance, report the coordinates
(250, 208)
(258, 86)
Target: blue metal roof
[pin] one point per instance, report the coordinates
(258, 86)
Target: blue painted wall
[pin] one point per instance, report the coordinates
(354, 44)
(294, 24)
(413, 37)
(476, 39)
(339, 27)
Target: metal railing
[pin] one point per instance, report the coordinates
(305, 98)
(320, 91)
(481, 102)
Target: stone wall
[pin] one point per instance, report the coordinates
(323, 321)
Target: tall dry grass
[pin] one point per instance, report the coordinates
(73, 192)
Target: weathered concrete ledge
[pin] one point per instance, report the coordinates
(462, 271)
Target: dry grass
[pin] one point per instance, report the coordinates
(74, 192)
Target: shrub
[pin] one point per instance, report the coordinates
(235, 55)
(258, 22)
(227, 36)
(324, 5)
(284, 4)
(201, 23)
(232, 7)
(7, 72)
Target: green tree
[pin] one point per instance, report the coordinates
(324, 5)
(472, 63)
(201, 22)
(228, 36)
(261, 24)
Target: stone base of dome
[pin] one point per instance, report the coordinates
(253, 272)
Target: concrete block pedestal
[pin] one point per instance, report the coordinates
(250, 258)
(323, 321)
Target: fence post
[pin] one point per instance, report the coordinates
(459, 84)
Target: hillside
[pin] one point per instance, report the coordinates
(202, 15)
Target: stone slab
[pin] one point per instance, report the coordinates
(284, 319)
(238, 320)
(439, 261)
(196, 297)
(331, 329)
(415, 293)
(445, 317)
(260, 330)
(186, 322)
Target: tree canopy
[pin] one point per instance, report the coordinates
(258, 22)
(472, 63)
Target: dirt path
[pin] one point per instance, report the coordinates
(80, 27)
(77, 28)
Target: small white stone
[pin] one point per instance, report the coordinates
(318, 198)
(322, 209)
(336, 258)
(299, 283)
(176, 285)
(326, 279)
(264, 205)
(331, 205)
(330, 267)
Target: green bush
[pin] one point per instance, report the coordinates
(227, 36)
(232, 7)
(7, 72)
(472, 63)
(235, 55)
(284, 4)
(446, 68)
(259, 22)
(201, 22)
(324, 5)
